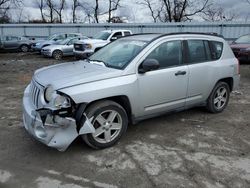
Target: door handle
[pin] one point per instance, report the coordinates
(180, 73)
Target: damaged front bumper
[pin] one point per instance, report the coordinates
(51, 129)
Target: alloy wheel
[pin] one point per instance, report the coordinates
(108, 125)
(220, 98)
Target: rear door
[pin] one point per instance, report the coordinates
(201, 67)
(164, 89)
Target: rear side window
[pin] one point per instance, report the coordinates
(197, 51)
(216, 49)
(126, 33)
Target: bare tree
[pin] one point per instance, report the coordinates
(151, 6)
(96, 11)
(41, 4)
(5, 6)
(218, 14)
(113, 5)
(75, 5)
(58, 8)
(176, 10)
(50, 8)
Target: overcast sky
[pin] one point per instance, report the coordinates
(137, 13)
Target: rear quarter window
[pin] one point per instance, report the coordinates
(216, 49)
(126, 33)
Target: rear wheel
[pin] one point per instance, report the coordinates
(24, 48)
(57, 54)
(110, 121)
(219, 98)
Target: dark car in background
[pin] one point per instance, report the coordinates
(241, 48)
(22, 44)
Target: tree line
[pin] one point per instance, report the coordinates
(53, 11)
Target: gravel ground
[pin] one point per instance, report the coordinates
(187, 149)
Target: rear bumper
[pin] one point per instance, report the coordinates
(244, 58)
(236, 80)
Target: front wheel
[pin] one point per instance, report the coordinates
(218, 99)
(24, 48)
(110, 122)
(57, 54)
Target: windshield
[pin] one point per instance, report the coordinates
(243, 40)
(52, 37)
(118, 54)
(102, 35)
(63, 42)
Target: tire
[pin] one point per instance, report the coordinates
(110, 120)
(57, 54)
(24, 48)
(219, 97)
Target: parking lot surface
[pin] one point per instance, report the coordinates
(192, 148)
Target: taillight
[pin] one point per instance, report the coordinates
(238, 67)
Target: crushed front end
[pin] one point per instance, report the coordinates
(51, 122)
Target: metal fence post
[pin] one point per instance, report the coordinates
(2, 31)
(24, 31)
(49, 30)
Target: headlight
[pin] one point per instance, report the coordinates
(48, 93)
(61, 101)
(88, 46)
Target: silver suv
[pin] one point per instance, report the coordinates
(131, 79)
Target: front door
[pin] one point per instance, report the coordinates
(164, 89)
(68, 48)
(11, 42)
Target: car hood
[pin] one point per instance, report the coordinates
(91, 41)
(240, 46)
(45, 42)
(53, 46)
(74, 73)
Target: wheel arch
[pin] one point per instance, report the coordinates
(122, 100)
(229, 81)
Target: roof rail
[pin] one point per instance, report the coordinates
(178, 33)
(196, 33)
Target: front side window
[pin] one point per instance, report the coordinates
(72, 41)
(168, 54)
(118, 35)
(102, 35)
(118, 54)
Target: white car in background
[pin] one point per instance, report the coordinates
(85, 48)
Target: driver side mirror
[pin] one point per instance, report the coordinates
(113, 39)
(149, 65)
